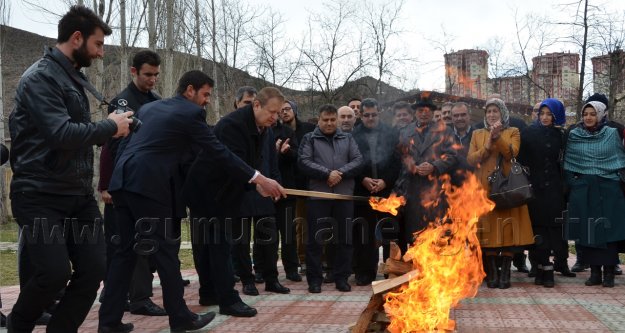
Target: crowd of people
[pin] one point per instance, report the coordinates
(231, 180)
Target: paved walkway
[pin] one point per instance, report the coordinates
(569, 307)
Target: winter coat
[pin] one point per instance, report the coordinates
(319, 154)
(541, 151)
(500, 227)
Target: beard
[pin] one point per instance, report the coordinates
(81, 56)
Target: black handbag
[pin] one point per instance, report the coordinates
(512, 191)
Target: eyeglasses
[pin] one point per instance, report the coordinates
(286, 109)
(369, 115)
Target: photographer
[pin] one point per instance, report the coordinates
(144, 70)
(52, 161)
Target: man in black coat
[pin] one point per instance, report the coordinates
(247, 132)
(381, 165)
(146, 189)
(145, 69)
(289, 117)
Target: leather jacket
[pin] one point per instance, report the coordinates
(51, 130)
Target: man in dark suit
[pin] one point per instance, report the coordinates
(146, 186)
(248, 133)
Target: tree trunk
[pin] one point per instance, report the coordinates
(580, 90)
(151, 25)
(169, 45)
(198, 40)
(3, 188)
(123, 69)
(216, 101)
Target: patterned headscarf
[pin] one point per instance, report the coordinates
(505, 114)
(602, 115)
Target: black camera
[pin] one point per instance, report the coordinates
(122, 106)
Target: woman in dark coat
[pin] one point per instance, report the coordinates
(593, 157)
(542, 146)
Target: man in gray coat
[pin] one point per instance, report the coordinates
(330, 159)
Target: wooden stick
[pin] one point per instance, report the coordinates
(325, 195)
(363, 322)
(384, 285)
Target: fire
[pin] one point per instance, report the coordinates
(387, 205)
(449, 260)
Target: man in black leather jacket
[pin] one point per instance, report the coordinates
(51, 190)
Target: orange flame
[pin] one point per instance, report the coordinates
(387, 205)
(449, 260)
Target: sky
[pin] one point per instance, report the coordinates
(468, 25)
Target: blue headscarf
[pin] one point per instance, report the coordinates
(557, 109)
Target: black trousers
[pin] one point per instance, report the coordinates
(548, 239)
(366, 244)
(142, 277)
(329, 222)
(146, 227)
(64, 243)
(285, 223)
(212, 258)
(265, 238)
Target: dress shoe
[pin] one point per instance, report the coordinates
(149, 309)
(363, 281)
(199, 322)
(186, 282)
(314, 288)
(579, 267)
(121, 328)
(343, 286)
(258, 277)
(329, 278)
(293, 276)
(238, 309)
(44, 319)
(276, 287)
(208, 301)
(250, 289)
(618, 270)
(563, 269)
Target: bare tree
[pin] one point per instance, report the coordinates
(533, 34)
(152, 24)
(381, 21)
(123, 65)
(169, 49)
(333, 58)
(277, 60)
(5, 14)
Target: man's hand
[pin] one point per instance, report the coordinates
(106, 197)
(334, 178)
(283, 147)
(122, 121)
(268, 187)
(368, 183)
(379, 185)
(410, 164)
(425, 169)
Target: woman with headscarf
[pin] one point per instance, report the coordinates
(593, 158)
(502, 232)
(542, 146)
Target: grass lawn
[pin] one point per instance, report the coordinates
(8, 258)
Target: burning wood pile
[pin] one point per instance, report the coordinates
(443, 266)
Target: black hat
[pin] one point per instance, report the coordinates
(599, 98)
(424, 101)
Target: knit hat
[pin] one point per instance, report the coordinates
(599, 98)
(557, 109)
(599, 107)
(293, 106)
(505, 114)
